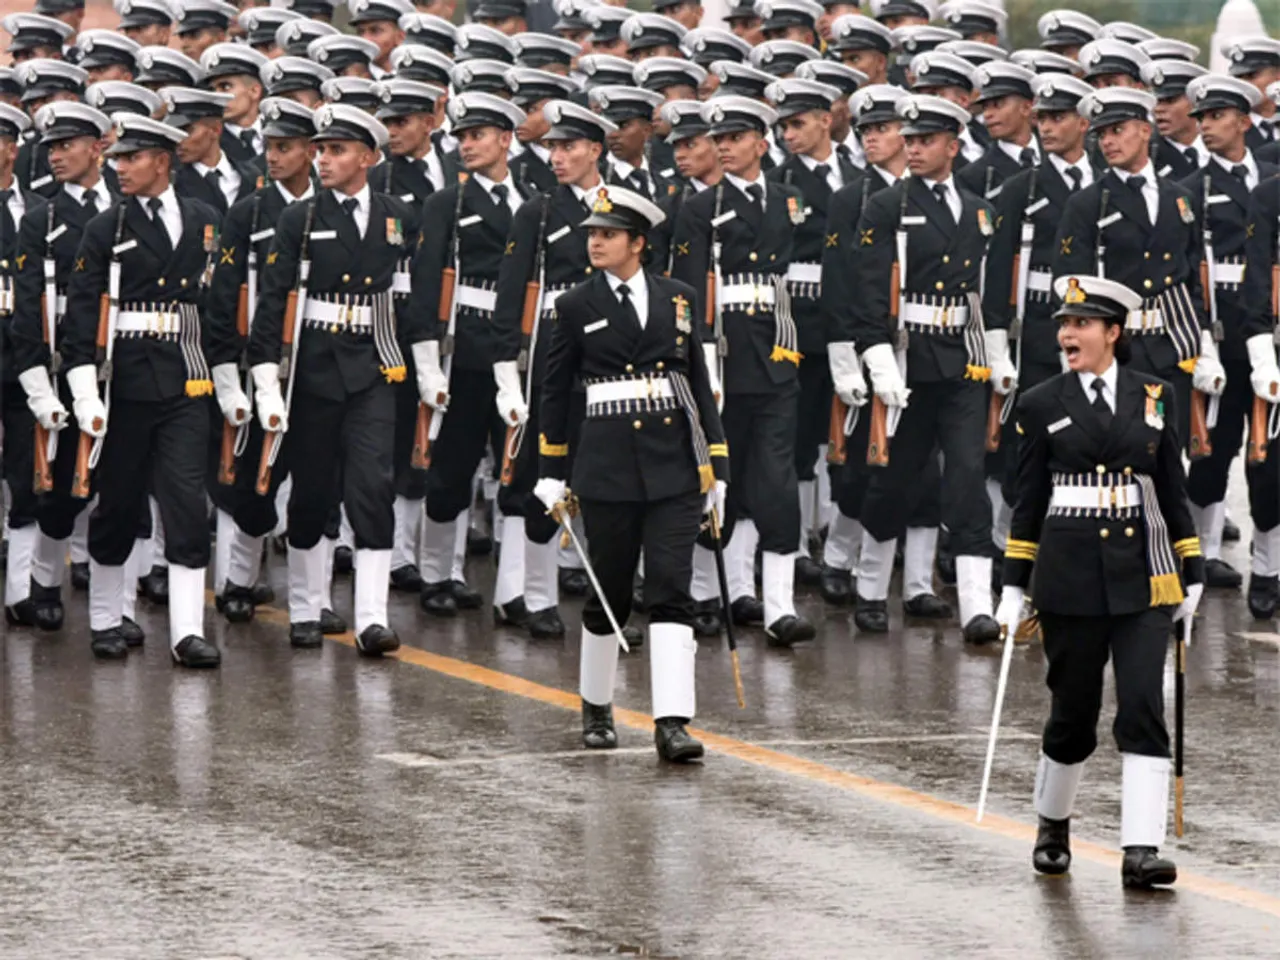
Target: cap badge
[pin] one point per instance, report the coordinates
(1074, 293)
(603, 204)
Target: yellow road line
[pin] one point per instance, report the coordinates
(811, 770)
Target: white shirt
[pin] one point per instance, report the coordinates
(1150, 189)
(639, 293)
(953, 197)
(17, 206)
(624, 170)
(888, 174)
(101, 195)
(361, 213)
(1250, 165)
(434, 169)
(255, 128)
(970, 149)
(513, 199)
(698, 185)
(290, 198)
(1015, 152)
(169, 214)
(855, 149)
(1061, 165)
(228, 179)
(1108, 391)
(834, 180)
(776, 153)
(1202, 152)
(1264, 124)
(743, 184)
(588, 197)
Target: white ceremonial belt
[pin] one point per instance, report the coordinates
(1144, 321)
(400, 282)
(148, 321)
(805, 272)
(339, 314)
(479, 299)
(923, 315)
(1040, 281)
(549, 298)
(747, 294)
(1228, 273)
(1122, 497)
(657, 388)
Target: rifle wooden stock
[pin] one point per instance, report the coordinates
(242, 311)
(711, 299)
(508, 458)
(1199, 445)
(1275, 290)
(263, 484)
(1204, 285)
(994, 407)
(836, 442)
(878, 438)
(1258, 432)
(44, 312)
(42, 479)
(448, 280)
(895, 290)
(80, 481)
(420, 459)
(104, 320)
(532, 290)
(290, 313)
(227, 458)
(1013, 287)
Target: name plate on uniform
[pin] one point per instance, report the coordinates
(407, 197)
(120, 248)
(262, 234)
(1218, 198)
(1037, 206)
(593, 327)
(324, 234)
(1109, 220)
(558, 235)
(1059, 425)
(468, 221)
(58, 231)
(914, 221)
(39, 182)
(724, 218)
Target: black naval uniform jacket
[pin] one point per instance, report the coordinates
(667, 185)
(32, 169)
(403, 178)
(1258, 314)
(944, 259)
(840, 250)
(147, 369)
(753, 241)
(530, 169)
(1229, 200)
(1092, 566)
(9, 269)
(807, 244)
(333, 365)
(986, 175)
(1171, 159)
(482, 242)
(1146, 258)
(661, 251)
(190, 183)
(627, 457)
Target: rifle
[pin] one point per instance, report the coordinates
(715, 283)
(295, 305)
(1259, 434)
(1102, 237)
(90, 449)
(530, 318)
(837, 447)
(46, 441)
(1200, 445)
(246, 300)
(671, 251)
(878, 438)
(427, 426)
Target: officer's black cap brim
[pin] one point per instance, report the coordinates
(1212, 102)
(394, 112)
(144, 18)
(42, 91)
(853, 44)
(563, 133)
(293, 86)
(1090, 311)
(475, 123)
(278, 131)
(922, 128)
(621, 117)
(734, 126)
(70, 132)
(331, 134)
(618, 220)
(686, 133)
(229, 69)
(498, 11)
(1110, 119)
(127, 146)
(997, 90)
(872, 117)
(96, 61)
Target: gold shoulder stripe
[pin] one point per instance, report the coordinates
(551, 449)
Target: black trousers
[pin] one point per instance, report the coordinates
(849, 481)
(617, 532)
(343, 446)
(952, 416)
(760, 429)
(57, 510)
(458, 449)
(410, 482)
(19, 455)
(517, 499)
(1077, 649)
(167, 443)
(813, 413)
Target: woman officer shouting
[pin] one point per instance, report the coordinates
(653, 459)
(1101, 512)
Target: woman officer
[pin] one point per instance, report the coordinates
(1101, 512)
(652, 460)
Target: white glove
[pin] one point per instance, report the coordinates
(231, 398)
(711, 357)
(1004, 376)
(41, 400)
(886, 378)
(510, 400)
(715, 499)
(550, 492)
(266, 395)
(1187, 609)
(1208, 376)
(1009, 613)
(433, 385)
(846, 374)
(90, 413)
(1266, 372)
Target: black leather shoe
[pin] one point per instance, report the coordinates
(331, 624)
(945, 566)
(598, 732)
(479, 543)
(1263, 595)
(927, 607)
(634, 637)
(1052, 853)
(706, 618)
(513, 613)
(237, 603)
(437, 600)
(997, 577)
(1230, 532)
(637, 597)
(872, 616)
(155, 586)
(573, 582)
(747, 612)
(80, 576)
(808, 571)
(49, 611)
(465, 597)
(1220, 574)
(108, 644)
(132, 633)
(306, 635)
(344, 560)
(197, 653)
(1144, 868)
(545, 624)
(981, 629)
(673, 741)
(836, 586)
(262, 594)
(375, 640)
(788, 630)
(406, 579)
(21, 614)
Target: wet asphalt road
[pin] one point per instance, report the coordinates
(313, 805)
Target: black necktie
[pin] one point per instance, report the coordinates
(1026, 158)
(1100, 402)
(641, 183)
(155, 206)
(756, 193)
(1137, 184)
(90, 202)
(8, 232)
(940, 191)
(349, 208)
(628, 306)
(499, 194)
(1074, 178)
(822, 171)
(1267, 130)
(213, 178)
(247, 138)
(1193, 158)
(1241, 173)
